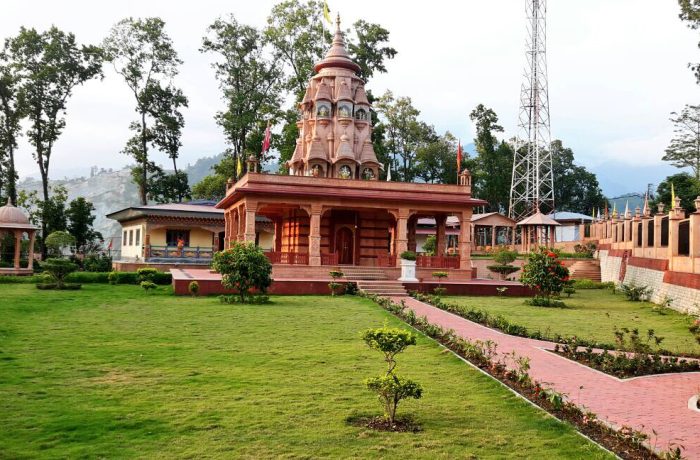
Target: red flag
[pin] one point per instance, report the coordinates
(266, 140)
(459, 157)
(109, 246)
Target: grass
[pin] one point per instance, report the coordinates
(592, 314)
(112, 372)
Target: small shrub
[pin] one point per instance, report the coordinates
(503, 270)
(440, 275)
(350, 288)
(568, 290)
(545, 273)
(59, 269)
(504, 256)
(146, 274)
(335, 274)
(408, 255)
(540, 301)
(97, 263)
(148, 286)
(334, 286)
(258, 299)
(635, 293)
(193, 288)
(64, 287)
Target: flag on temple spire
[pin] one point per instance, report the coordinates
(327, 13)
(646, 203)
(606, 209)
(239, 167)
(388, 174)
(459, 157)
(614, 212)
(266, 139)
(627, 207)
(673, 196)
(598, 213)
(593, 214)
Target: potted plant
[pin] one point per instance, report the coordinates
(408, 266)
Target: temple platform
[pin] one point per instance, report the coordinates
(315, 282)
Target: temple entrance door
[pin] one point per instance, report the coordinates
(345, 246)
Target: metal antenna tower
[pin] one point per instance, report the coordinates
(532, 185)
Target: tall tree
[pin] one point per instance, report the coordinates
(143, 54)
(494, 161)
(81, 221)
(575, 188)
(250, 80)
(685, 186)
(367, 49)
(12, 110)
(684, 150)
(213, 186)
(437, 160)
(49, 65)
(690, 13)
(404, 133)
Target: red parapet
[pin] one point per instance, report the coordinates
(288, 258)
(386, 260)
(437, 261)
(329, 259)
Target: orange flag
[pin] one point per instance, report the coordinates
(459, 157)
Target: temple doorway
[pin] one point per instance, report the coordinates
(345, 246)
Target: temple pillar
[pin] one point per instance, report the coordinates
(411, 233)
(278, 234)
(240, 220)
(401, 233)
(694, 227)
(465, 240)
(18, 248)
(635, 232)
(440, 238)
(30, 256)
(674, 219)
(250, 210)
(146, 246)
(315, 234)
(493, 236)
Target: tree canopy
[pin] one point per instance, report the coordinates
(684, 149)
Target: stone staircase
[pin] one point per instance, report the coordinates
(374, 280)
(585, 269)
(388, 288)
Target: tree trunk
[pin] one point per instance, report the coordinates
(143, 188)
(11, 185)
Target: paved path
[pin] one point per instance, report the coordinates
(658, 403)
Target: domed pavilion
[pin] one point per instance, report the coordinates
(15, 228)
(332, 209)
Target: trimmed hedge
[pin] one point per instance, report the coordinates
(90, 278)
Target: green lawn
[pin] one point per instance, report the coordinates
(112, 372)
(592, 314)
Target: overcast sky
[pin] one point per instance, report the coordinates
(617, 68)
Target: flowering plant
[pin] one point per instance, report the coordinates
(545, 273)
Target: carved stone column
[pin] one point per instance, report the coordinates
(18, 247)
(250, 210)
(440, 239)
(401, 233)
(411, 233)
(315, 234)
(32, 238)
(465, 240)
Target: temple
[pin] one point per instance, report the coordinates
(331, 209)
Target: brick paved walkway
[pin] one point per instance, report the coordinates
(652, 402)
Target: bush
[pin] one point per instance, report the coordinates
(160, 278)
(390, 388)
(59, 269)
(430, 245)
(545, 273)
(503, 270)
(568, 290)
(635, 293)
(333, 286)
(148, 286)
(350, 288)
(97, 263)
(243, 267)
(63, 287)
(585, 250)
(258, 299)
(408, 255)
(146, 274)
(590, 284)
(504, 256)
(88, 277)
(540, 301)
(440, 275)
(193, 288)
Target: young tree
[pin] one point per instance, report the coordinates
(81, 217)
(53, 211)
(168, 188)
(59, 269)
(49, 66)
(12, 111)
(213, 186)
(143, 54)
(250, 80)
(684, 150)
(690, 13)
(243, 267)
(493, 162)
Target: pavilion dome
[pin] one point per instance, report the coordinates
(12, 216)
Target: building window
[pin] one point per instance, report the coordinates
(131, 237)
(124, 240)
(174, 236)
(138, 237)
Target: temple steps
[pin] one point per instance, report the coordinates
(382, 288)
(355, 273)
(585, 269)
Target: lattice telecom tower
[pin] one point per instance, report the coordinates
(532, 185)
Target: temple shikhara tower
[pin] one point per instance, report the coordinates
(335, 132)
(332, 209)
